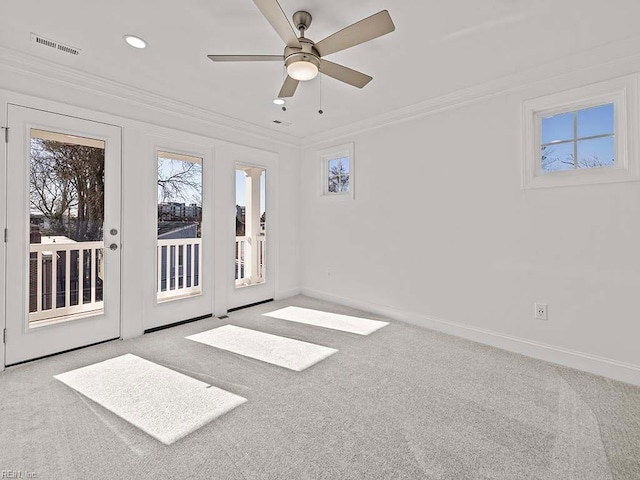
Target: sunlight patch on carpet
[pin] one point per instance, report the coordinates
(161, 402)
(334, 321)
(281, 351)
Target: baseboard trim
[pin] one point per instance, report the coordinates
(624, 372)
(287, 294)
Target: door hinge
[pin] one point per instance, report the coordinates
(4, 336)
(6, 233)
(6, 134)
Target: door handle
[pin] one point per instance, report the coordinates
(113, 246)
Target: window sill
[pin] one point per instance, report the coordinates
(580, 177)
(337, 196)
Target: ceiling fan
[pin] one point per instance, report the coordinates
(303, 58)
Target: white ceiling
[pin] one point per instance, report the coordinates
(439, 46)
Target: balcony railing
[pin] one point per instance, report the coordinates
(65, 279)
(262, 245)
(244, 271)
(179, 266)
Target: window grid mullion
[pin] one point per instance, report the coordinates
(575, 139)
(579, 139)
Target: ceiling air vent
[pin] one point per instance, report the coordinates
(46, 42)
(282, 123)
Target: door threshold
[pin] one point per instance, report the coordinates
(60, 353)
(175, 324)
(249, 305)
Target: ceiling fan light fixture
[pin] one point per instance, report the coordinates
(302, 66)
(302, 71)
(279, 101)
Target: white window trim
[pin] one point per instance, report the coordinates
(185, 156)
(332, 153)
(623, 93)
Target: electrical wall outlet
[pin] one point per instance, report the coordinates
(541, 311)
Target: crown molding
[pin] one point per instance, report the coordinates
(13, 60)
(606, 55)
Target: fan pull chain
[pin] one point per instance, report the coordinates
(320, 83)
(284, 77)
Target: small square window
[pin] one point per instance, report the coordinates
(337, 171)
(582, 136)
(579, 139)
(338, 175)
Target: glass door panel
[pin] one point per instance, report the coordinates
(179, 248)
(251, 233)
(66, 218)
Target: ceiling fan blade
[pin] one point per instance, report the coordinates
(371, 27)
(274, 14)
(288, 88)
(344, 74)
(246, 58)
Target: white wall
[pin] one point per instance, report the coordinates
(441, 234)
(67, 96)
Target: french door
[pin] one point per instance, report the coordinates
(182, 204)
(253, 252)
(63, 225)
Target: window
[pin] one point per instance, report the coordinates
(580, 139)
(337, 171)
(581, 136)
(179, 252)
(251, 226)
(338, 175)
(66, 237)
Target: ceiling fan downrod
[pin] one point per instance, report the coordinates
(302, 21)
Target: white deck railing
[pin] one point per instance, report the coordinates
(66, 278)
(262, 245)
(59, 286)
(243, 270)
(241, 248)
(179, 266)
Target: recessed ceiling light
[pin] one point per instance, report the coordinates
(278, 101)
(135, 42)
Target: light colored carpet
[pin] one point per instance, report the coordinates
(281, 351)
(334, 321)
(165, 404)
(403, 403)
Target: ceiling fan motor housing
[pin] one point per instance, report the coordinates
(308, 53)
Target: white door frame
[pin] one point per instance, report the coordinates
(227, 157)
(24, 342)
(158, 314)
(3, 224)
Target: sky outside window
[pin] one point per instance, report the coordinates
(579, 139)
(338, 175)
(241, 183)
